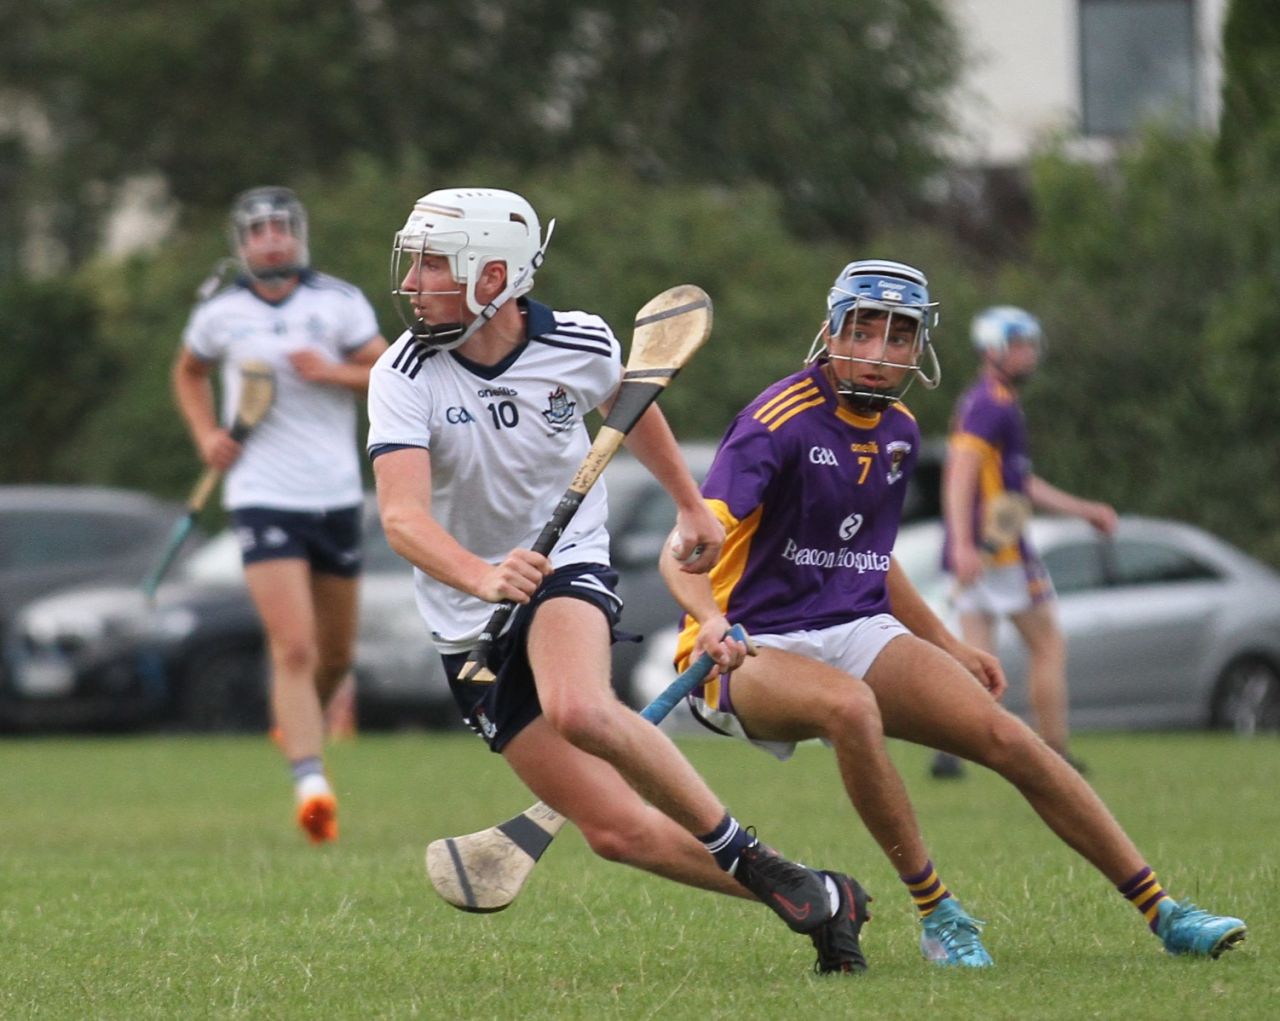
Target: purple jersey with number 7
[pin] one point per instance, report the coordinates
(810, 495)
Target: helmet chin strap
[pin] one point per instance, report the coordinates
(274, 273)
(865, 401)
(448, 336)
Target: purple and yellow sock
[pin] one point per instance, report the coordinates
(927, 889)
(1145, 893)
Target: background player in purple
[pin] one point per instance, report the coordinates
(808, 483)
(989, 460)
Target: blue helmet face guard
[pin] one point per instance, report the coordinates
(892, 290)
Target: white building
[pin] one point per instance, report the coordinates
(1088, 70)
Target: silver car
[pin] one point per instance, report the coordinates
(1166, 625)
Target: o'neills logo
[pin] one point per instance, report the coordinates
(811, 556)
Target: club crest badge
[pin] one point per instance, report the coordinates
(559, 410)
(897, 451)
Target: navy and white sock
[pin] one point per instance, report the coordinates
(726, 842)
(308, 777)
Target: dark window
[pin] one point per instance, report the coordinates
(1153, 563)
(1137, 62)
(47, 538)
(1075, 567)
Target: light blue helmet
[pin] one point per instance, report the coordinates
(882, 286)
(995, 328)
(878, 284)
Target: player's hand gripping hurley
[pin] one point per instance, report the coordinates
(257, 391)
(484, 871)
(668, 330)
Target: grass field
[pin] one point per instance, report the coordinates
(162, 878)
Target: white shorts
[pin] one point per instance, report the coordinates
(1004, 591)
(850, 647)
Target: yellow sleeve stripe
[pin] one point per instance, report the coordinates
(990, 485)
(725, 516)
(733, 555)
(727, 572)
(785, 403)
(796, 410)
(968, 441)
(905, 410)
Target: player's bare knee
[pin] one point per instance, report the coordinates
(1009, 745)
(585, 723)
(853, 715)
(294, 659)
(609, 842)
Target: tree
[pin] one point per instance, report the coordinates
(1251, 68)
(1152, 277)
(53, 376)
(835, 103)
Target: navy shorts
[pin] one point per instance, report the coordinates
(327, 540)
(500, 710)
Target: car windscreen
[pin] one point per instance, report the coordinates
(51, 537)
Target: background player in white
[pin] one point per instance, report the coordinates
(476, 429)
(293, 488)
(988, 457)
(808, 483)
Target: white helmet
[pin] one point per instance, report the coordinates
(471, 227)
(994, 328)
(260, 205)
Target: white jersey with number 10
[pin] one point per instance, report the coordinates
(505, 443)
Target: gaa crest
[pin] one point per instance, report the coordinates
(897, 451)
(559, 410)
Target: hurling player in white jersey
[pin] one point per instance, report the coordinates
(808, 482)
(293, 487)
(476, 430)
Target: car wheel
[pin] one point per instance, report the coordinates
(225, 690)
(1248, 697)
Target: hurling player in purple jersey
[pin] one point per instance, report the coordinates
(988, 458)
(808, 483)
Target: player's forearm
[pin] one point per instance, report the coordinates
(193, 396)
(1057, 501)
(691, 591)
(959, 491)
(415, 535)
(354, 372)
(351, 376)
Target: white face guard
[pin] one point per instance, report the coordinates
(272, 205)
(470, 228)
